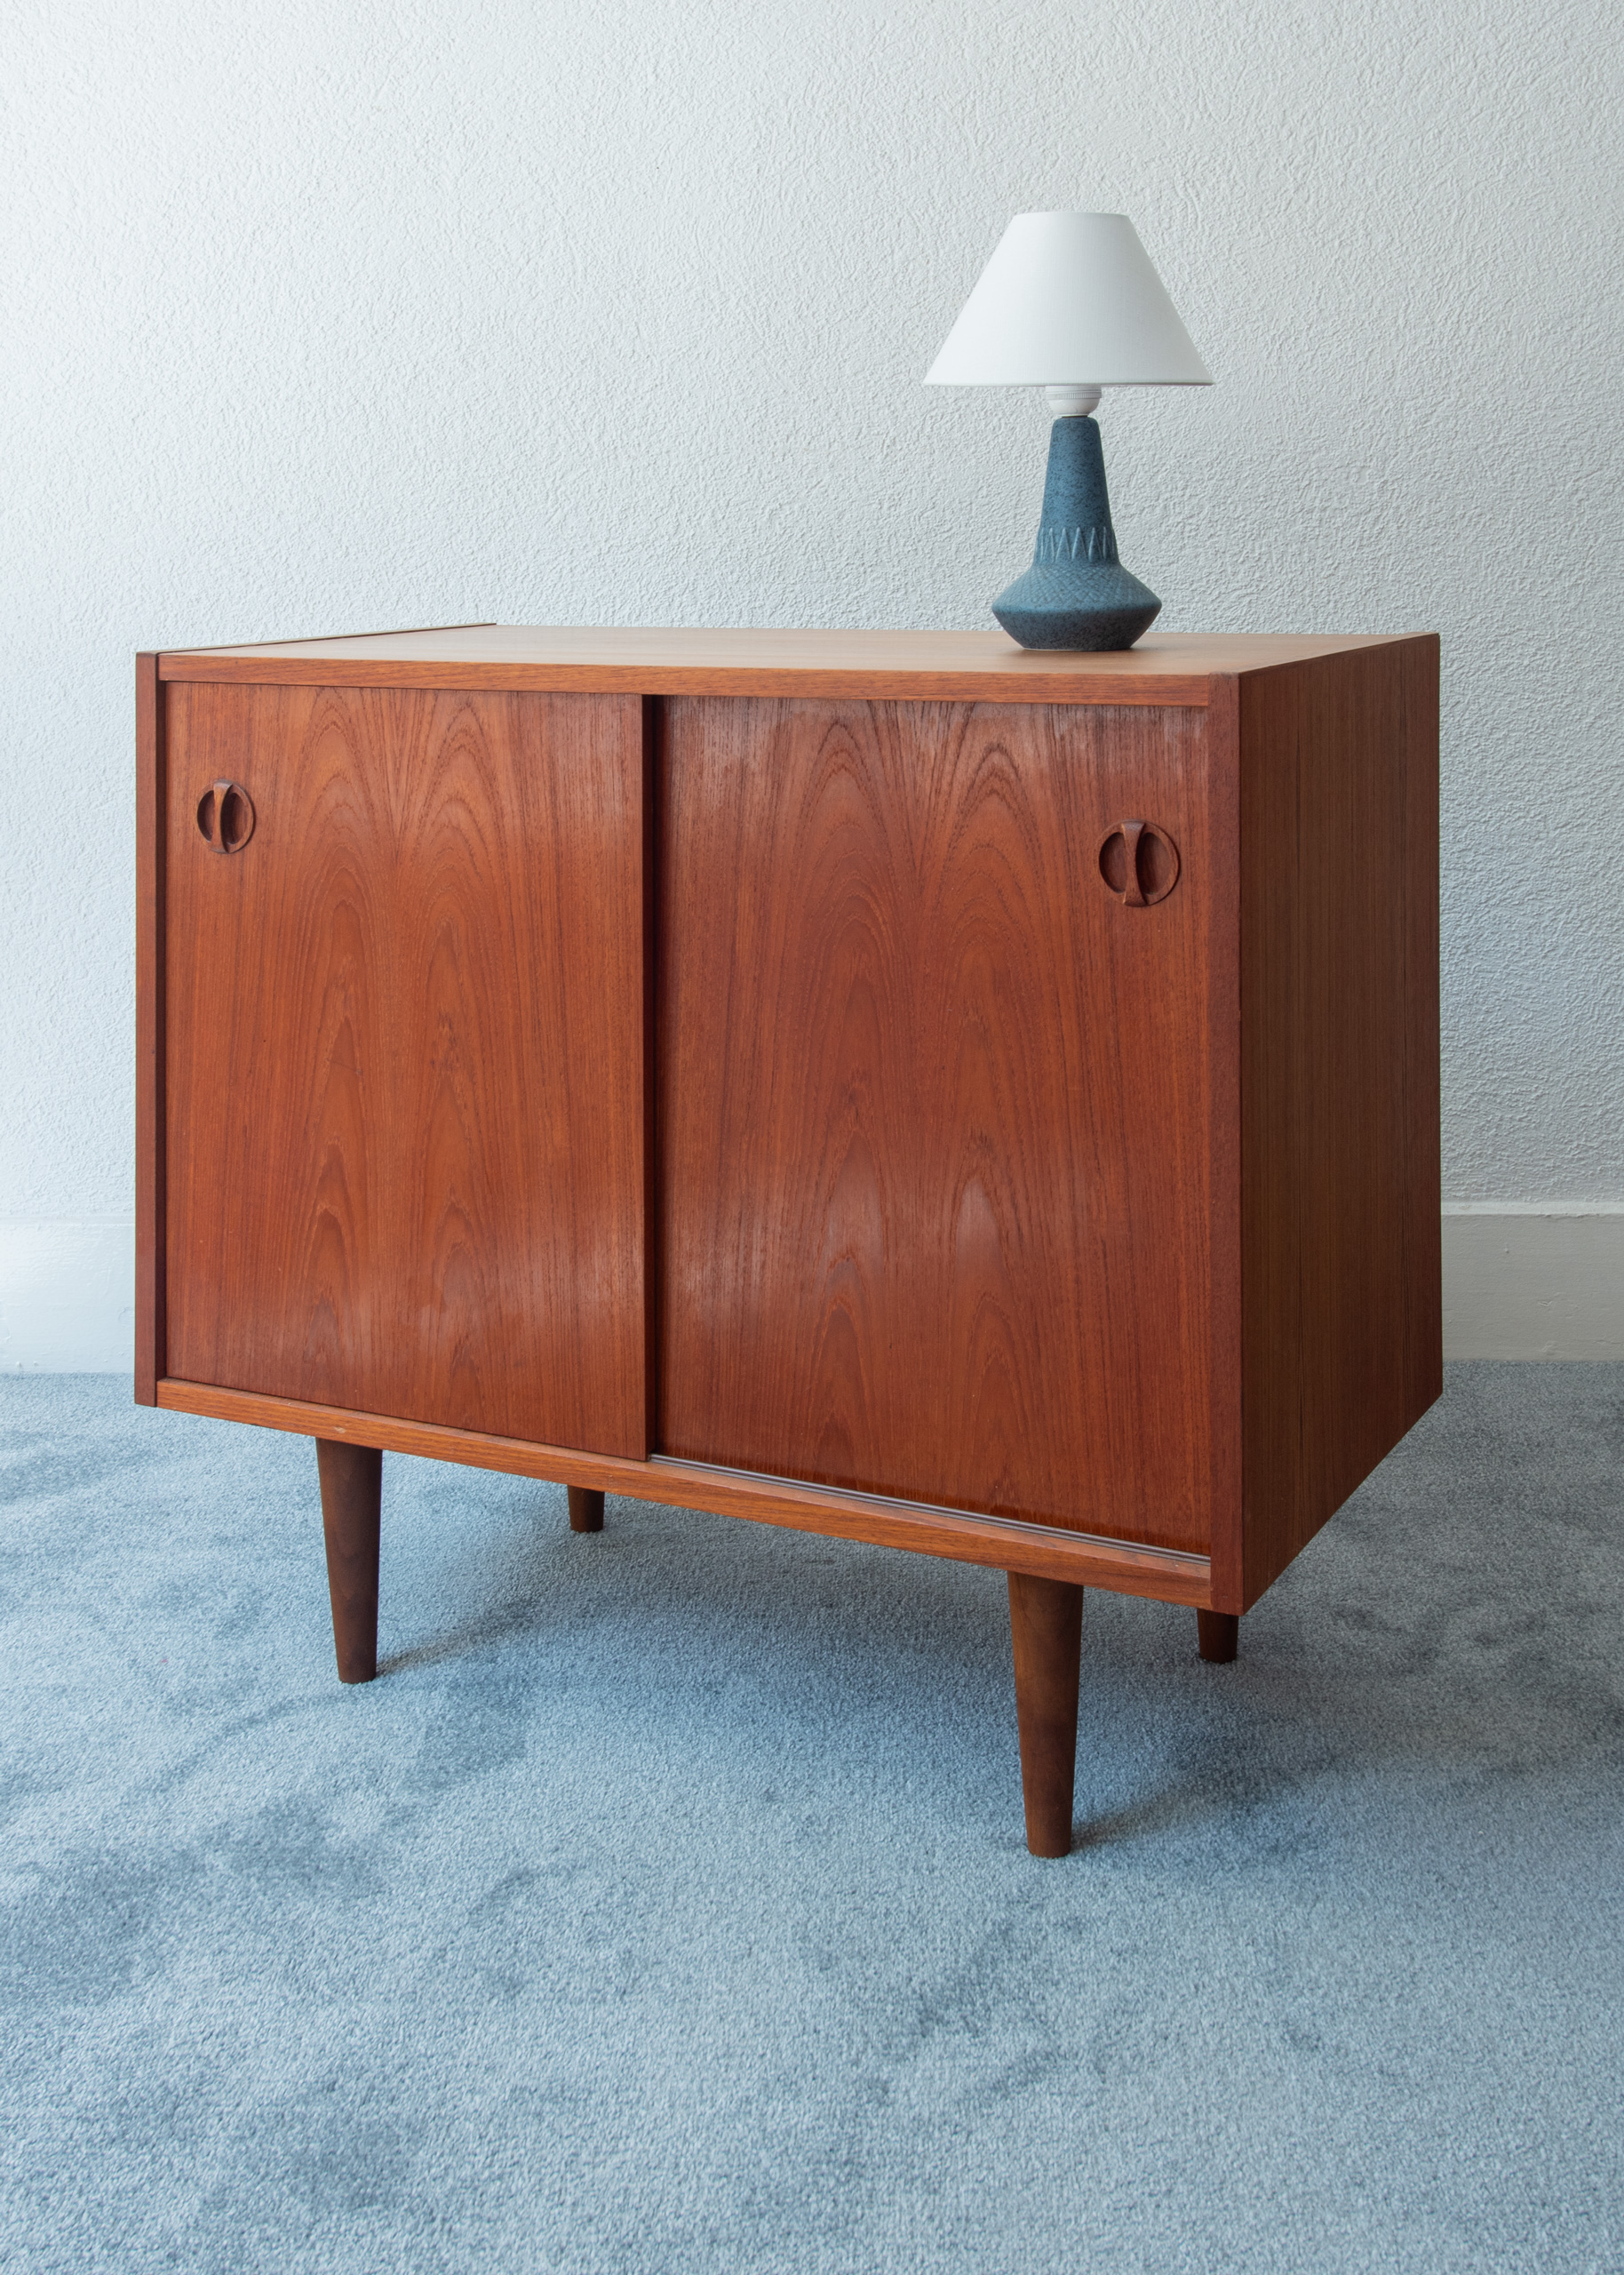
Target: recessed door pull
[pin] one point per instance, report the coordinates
(226, 818)
(1139, 862)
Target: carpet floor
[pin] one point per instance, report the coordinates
(664, 1906)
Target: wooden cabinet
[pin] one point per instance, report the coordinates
(900, 1086)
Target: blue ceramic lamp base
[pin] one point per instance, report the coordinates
(1076, 594)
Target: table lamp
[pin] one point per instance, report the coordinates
(1070, 302)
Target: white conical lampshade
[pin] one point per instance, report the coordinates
(1069, 299)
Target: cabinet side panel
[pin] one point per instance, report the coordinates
(651, 719)
(1423, 1224)
(150, 1357)
(1342, 1318)
(934, 1108)
(406, 1057)
(1222, 745)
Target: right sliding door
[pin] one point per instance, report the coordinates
(942, 1100)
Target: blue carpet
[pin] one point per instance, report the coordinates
(664, 1906)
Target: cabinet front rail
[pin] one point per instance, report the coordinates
(1044, 1552)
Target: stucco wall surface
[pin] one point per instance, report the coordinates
(323, 319)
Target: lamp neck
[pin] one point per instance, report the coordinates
(1076, 520)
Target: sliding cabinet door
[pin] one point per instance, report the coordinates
(405, 1096)
(936, 1106)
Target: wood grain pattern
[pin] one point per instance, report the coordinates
(1339, 1083)
(1123, 1567)
(934, 1109)
(405, 1061)
(151, 1353)
(913, 667)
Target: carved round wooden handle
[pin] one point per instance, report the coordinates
(1139, 862)
(226, 816)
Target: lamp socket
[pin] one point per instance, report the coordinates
(1071, 401)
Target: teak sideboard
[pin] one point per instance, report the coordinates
(901, 1086)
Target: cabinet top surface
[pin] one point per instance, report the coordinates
(1169, 668)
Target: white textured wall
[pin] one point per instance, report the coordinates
(320, 319)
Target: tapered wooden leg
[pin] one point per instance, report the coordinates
(1219, 1634)
(1046, 1622)
(585, 1508)
(351, 1483)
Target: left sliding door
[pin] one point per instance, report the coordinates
(405, 1054)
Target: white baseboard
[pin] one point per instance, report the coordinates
(1533, 1280)
(1520, 1281)
(67, 1294)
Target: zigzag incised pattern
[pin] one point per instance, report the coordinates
(1075, 545)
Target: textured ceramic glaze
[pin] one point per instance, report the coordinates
(1076, 594)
